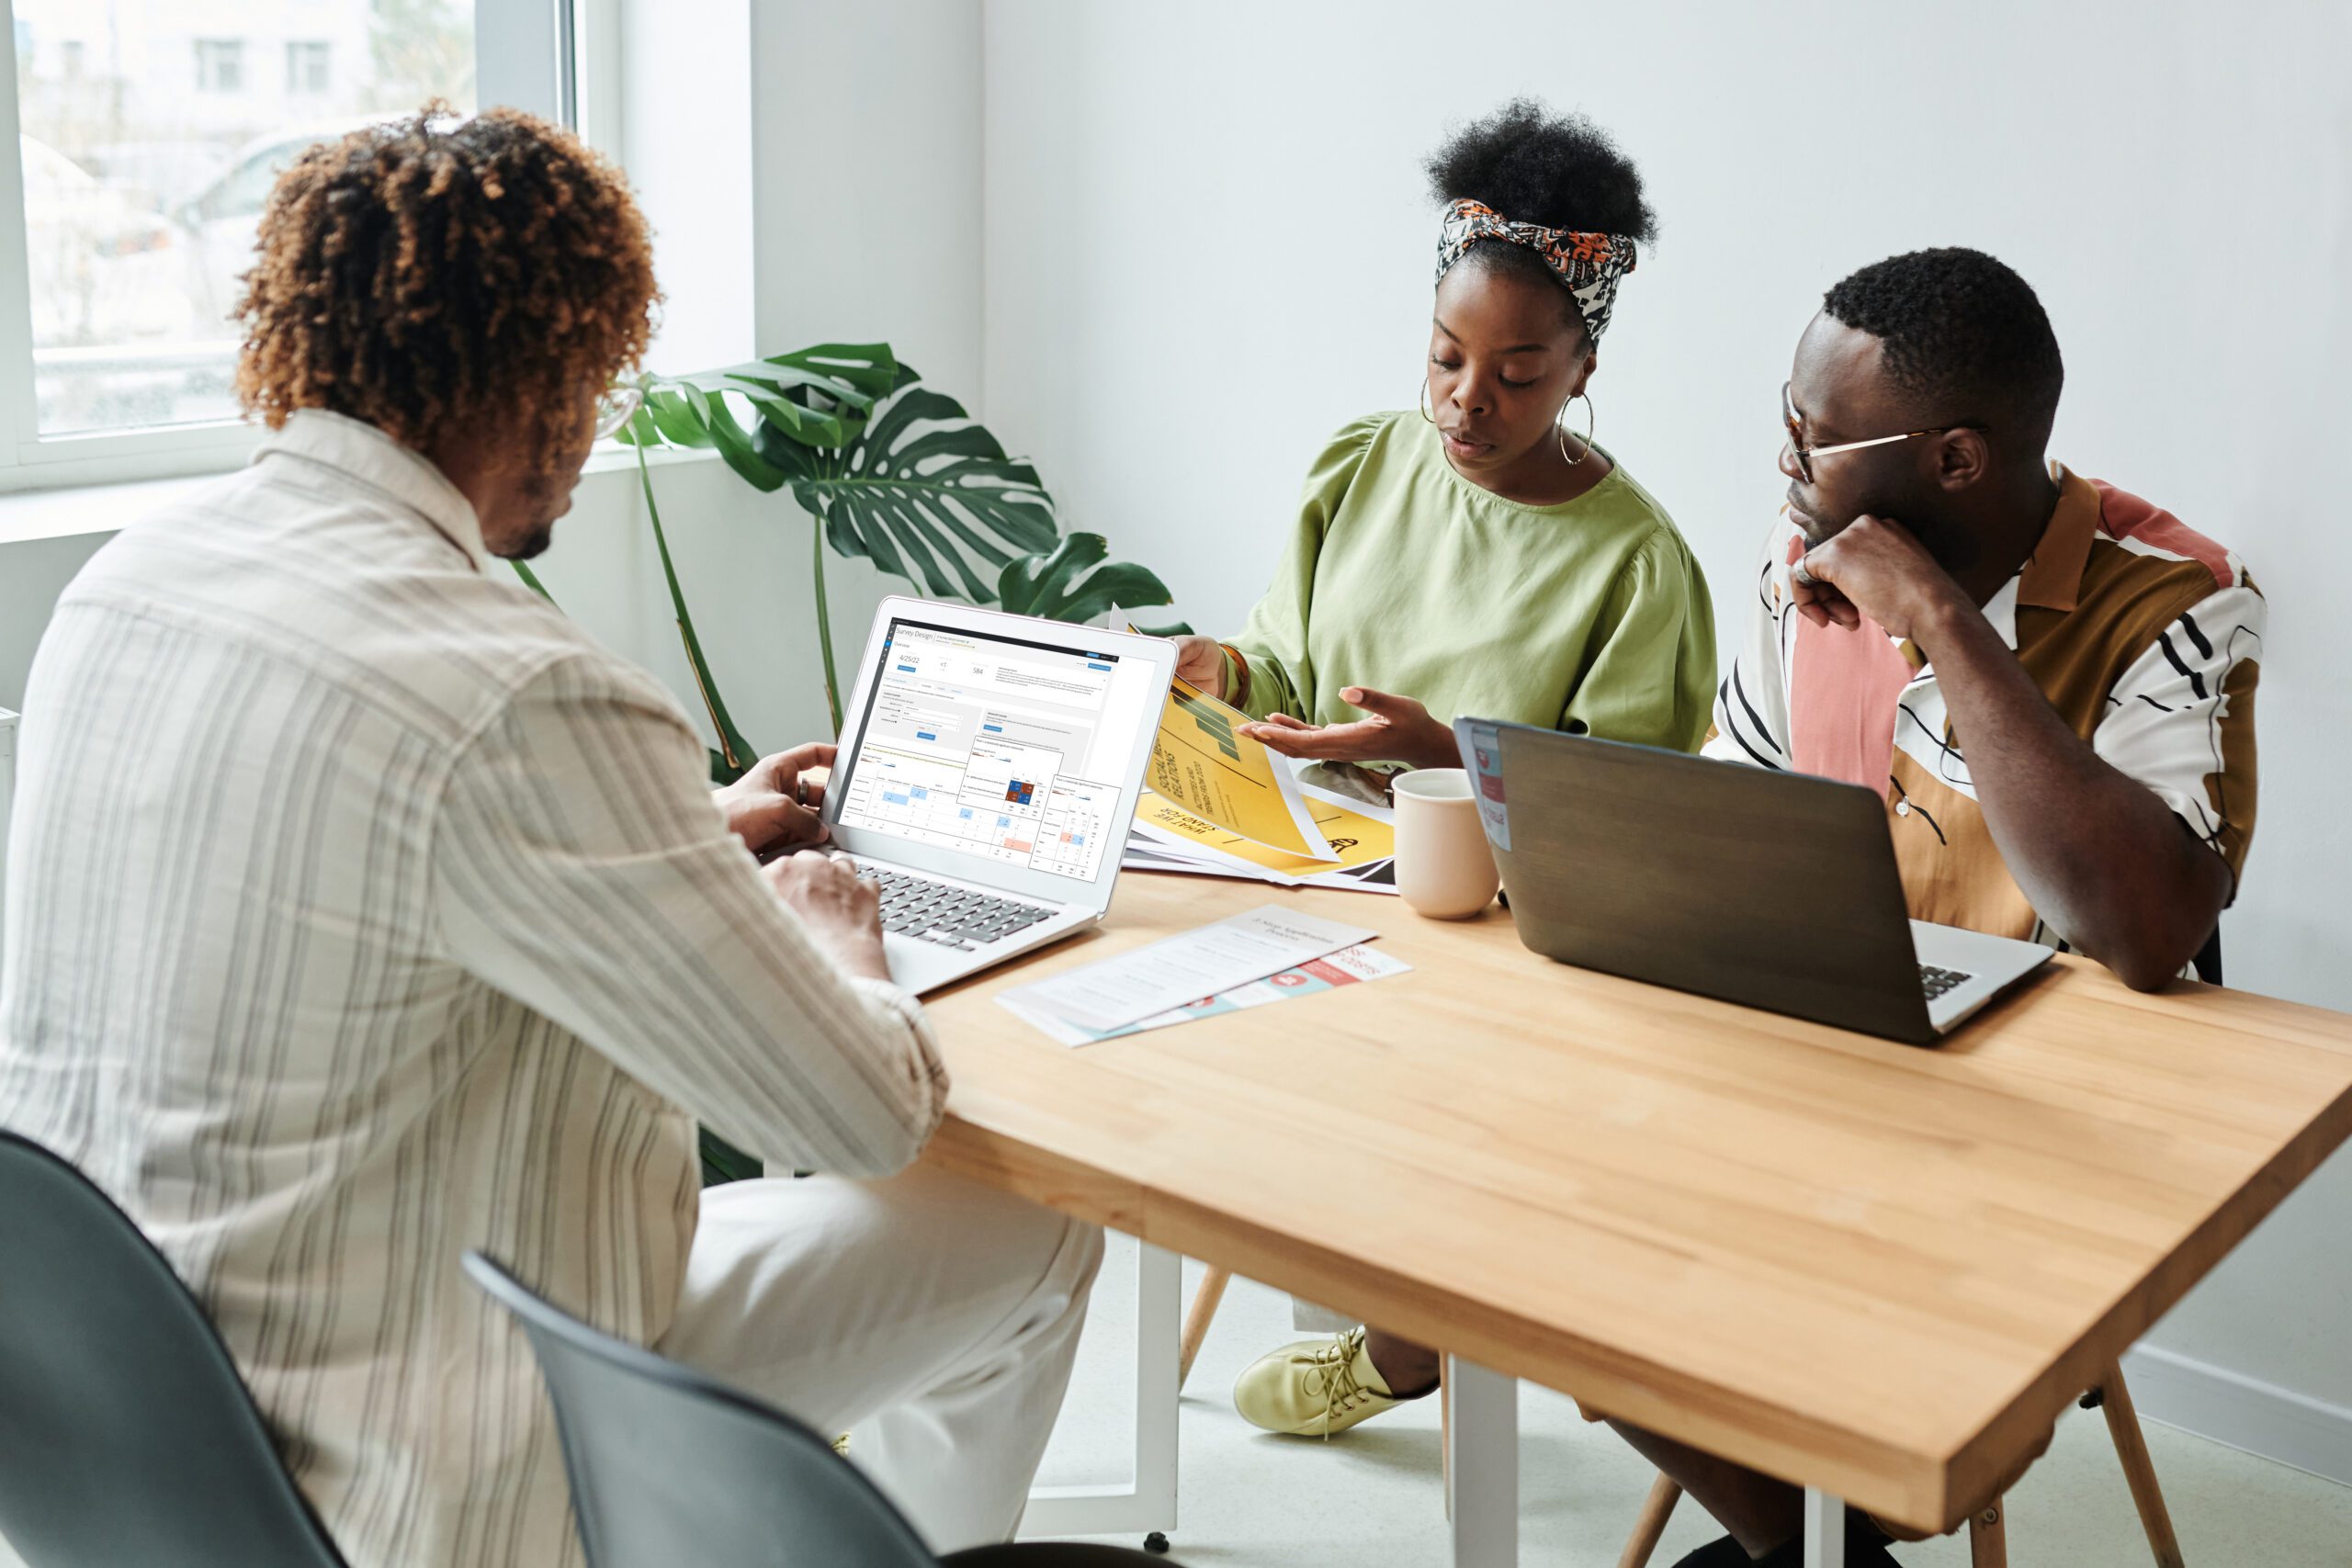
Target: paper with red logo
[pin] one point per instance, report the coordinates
(1348, 966)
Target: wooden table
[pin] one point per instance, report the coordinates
(1874, 1270)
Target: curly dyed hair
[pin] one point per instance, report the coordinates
(434, 275)
(1964, 334)
(1534, 167)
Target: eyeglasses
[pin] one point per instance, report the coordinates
(1806, 455)
(615, 409)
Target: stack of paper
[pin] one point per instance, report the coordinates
(1265, 955)
(1221, 804)
(1168, 838)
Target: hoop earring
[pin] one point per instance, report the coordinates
(1560, 426)
(1424, 404)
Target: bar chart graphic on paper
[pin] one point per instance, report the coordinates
(1203, 763)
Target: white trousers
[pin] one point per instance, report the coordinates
(937, 1318)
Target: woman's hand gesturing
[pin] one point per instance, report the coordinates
(1399, 729)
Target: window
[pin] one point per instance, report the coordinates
(144, 169)
(306, 67)
(219, 65)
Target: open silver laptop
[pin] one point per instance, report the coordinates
(989, 769)
(1774, 890)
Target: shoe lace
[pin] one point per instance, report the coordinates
(1332, 1373)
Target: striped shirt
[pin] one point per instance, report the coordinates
(2144, 636)
(361, 910)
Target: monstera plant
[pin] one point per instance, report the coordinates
(882, 468)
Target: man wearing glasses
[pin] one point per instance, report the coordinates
(2050, 681)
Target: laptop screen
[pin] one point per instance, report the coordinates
(1004, 749)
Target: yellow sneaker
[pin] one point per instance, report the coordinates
(1314, 1388)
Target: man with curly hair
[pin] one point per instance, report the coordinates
(363, 910)
(2048, 681)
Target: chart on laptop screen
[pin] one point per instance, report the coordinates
(1010, 749)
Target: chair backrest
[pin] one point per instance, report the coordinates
(2208, 959)
(668, 1465)
(126, 1435)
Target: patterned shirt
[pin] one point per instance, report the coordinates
(2144, 636)
(361, 910)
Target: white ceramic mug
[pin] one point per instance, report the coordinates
(1443, 867)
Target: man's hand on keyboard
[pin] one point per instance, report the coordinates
(841, 913)
(949, 916)
(776, 807)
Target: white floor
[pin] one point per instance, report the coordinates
(1372, 1498)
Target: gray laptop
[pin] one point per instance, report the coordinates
(1774, 890)
(990, 767)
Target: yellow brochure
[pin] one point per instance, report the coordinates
(1201, 763)
(1355, 838)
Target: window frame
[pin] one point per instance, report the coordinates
(211, 55)
(307, 59)
(552, 57)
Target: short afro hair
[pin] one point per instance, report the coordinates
(434, 275)
(1962, 331)
(1534, 166)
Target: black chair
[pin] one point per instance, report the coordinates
(126, 1435)
(2208, 959)
(670, 1466)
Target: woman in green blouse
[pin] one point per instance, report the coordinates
(1475, 556)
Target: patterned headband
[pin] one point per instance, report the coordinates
(1589, 267)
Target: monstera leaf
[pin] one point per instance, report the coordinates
(893, 472)
(928, 496)
(898, 474)
(1072, 583)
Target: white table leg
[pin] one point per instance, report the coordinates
(1160, 1335)
(1484, 1435)
(1824, 1530)
(1148, 1501)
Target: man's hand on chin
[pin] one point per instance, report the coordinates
(776, 806)
(1873, 568)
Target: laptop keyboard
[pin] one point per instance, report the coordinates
(1939, 981)
(949, 916)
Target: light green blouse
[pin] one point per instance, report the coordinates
(1591, 617)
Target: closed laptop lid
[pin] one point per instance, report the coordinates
(1774, 890)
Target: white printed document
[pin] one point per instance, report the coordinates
(1348, 966)
(1179, 969)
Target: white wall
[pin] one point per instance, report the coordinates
(681, 128)
(866, 132)
(32, 574)
(1208, 244)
